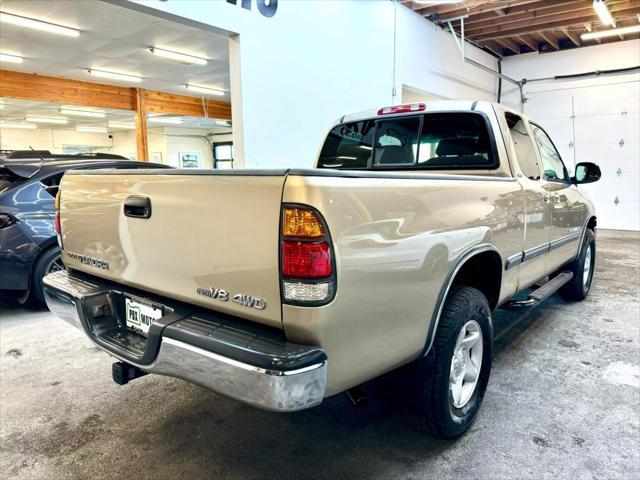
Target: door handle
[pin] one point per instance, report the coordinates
(137, 206)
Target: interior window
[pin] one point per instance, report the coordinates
(551, 161)
(51, 184)
(455, 141)
(397, 141)
(348, 146)
(523, 145)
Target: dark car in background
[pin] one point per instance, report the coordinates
(28, 241)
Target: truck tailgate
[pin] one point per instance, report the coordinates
(207, 234)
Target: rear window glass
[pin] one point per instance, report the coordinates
(7, 179)
(439, 141)
(348, 146)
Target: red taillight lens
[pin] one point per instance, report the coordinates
(58, 227)
(306, 259)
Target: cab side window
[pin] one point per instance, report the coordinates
(523, 145)
(554, 169)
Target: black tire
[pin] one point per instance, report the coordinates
(45, 264)
(429, 402)
(578, 289)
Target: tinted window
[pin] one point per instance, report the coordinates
(348, 146)
(51, 184)
(7, 179)
(397, 142)
(452, 141)
(551, 161)
(432, 141)
(523, 145)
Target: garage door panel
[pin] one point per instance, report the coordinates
(609, 157)
(608, 128)
(608, 99)
(623, 216)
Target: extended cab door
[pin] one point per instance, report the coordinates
(536, 218)
(568, 211)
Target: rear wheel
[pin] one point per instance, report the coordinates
(49, 262)
(449, 384)
(583, 268)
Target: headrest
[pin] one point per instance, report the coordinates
(457, 146)
(393, 155)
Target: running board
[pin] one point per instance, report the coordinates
(541, 293)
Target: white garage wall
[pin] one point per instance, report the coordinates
(590, 120)
(314, 61)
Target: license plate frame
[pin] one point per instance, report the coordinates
(140, 314)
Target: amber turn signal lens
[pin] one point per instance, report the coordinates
(56, 202)
(301, 223)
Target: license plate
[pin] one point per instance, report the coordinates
(140, 314)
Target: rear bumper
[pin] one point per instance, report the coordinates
(242, 361)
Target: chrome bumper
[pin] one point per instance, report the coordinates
(231, 359)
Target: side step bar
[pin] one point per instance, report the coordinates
(541, 293)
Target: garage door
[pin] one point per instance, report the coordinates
(600, 124)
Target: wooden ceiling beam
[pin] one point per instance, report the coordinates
(558, 19)
(550, 39)
(30, 86)
(548, 24)
(572, 36)
(529, 42)
(562, 7)
(508, 43)
(521, 9)
(445, 12)
(493, 47)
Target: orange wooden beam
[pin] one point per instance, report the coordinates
(31, 86)
(142, 138)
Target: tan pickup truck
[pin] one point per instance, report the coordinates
(282, 287)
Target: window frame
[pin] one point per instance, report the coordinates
(528, 126)
(213, 154)
(567, 179)
(493, 148)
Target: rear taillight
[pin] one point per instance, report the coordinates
(307, 264)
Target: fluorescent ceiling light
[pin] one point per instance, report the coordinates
(5, 57)
(124, 126)
(61, 121)
(82, 113)
(92, 129)
(205, 90)
(25, 126)
(603, 12)
(614, 32)
(113, 75)
(169, 120)
(38, 24)
(179, 57)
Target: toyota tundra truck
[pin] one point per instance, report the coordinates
(279, 288)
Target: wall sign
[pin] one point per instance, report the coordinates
(266, 7)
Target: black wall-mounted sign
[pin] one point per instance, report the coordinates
(267, 8)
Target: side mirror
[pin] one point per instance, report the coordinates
(586, 172)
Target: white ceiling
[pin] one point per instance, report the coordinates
(116, 39)
(15, 111)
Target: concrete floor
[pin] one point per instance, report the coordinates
(563, 402)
